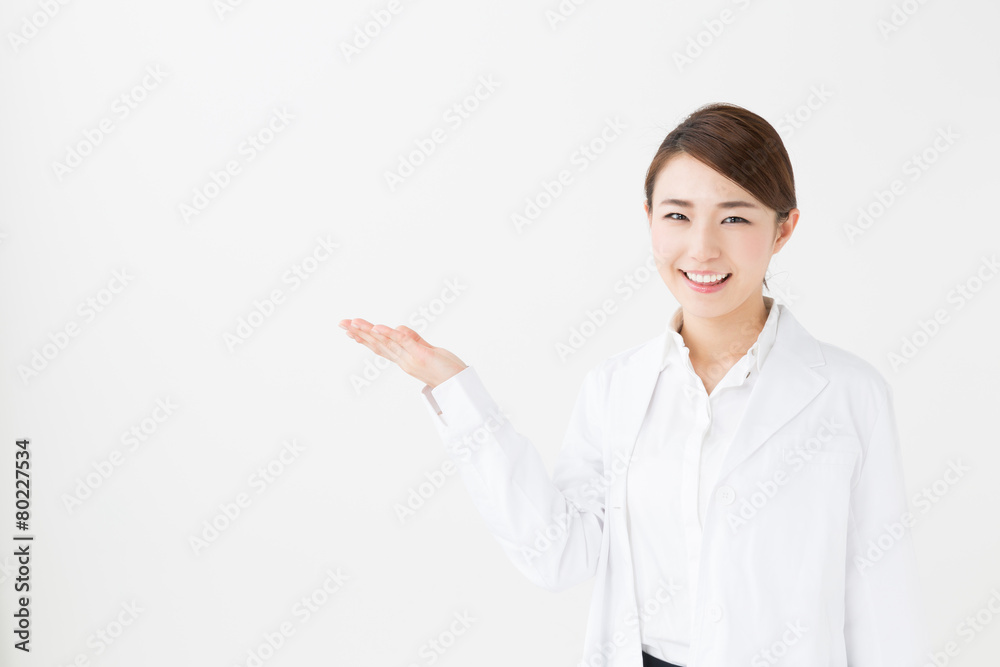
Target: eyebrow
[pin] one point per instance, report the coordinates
(724, 204)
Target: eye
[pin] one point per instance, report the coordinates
(681, 216)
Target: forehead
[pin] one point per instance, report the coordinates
(684, 177)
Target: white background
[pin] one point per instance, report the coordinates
(365, 446)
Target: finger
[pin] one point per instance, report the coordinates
(356, 335)
(412, 335)
(353, 335)
(386, 341)
(359, 330)
(361, 323)
(378, 345)
(348, 328)
(395, 341)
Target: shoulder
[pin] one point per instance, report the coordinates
(851, 372)
(847, 367)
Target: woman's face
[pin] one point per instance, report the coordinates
(704, 224)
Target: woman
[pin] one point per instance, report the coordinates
(734, 484)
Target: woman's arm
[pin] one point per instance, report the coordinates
(550, 528)
(884, 622)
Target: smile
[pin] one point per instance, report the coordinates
(707, 279)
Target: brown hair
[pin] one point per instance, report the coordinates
(738, 144)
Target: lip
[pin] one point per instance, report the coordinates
(704, 289)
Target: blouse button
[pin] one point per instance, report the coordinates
(726, 494)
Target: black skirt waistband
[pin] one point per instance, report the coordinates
(650, 661)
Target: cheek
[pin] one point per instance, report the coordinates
(751, 249)
(664, 245)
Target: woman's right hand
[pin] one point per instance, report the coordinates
(404, 347)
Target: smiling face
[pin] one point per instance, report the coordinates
(704, 224)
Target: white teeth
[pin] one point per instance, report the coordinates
(706, 278)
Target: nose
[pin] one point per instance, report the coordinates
(703, 242)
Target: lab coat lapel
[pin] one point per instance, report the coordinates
(785, 386)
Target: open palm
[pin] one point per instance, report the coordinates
(404, 347)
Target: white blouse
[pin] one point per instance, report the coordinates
(826, 574)
(674, 467)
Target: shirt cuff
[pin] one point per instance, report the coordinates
(461, 403)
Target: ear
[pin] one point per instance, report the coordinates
(786, 229)
(645, 207)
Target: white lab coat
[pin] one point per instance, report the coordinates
(807, 558)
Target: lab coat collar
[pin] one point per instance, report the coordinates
(784, 387)
(758, 351)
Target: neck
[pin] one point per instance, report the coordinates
(727, 336)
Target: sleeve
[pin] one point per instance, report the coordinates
(550, 528)
(884, 621)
